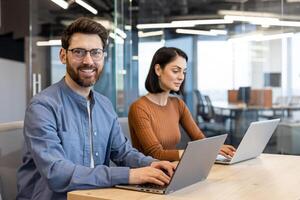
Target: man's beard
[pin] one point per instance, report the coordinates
(81, 81)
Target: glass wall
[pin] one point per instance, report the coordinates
(246, 43)
(243, 58)
(47, 21)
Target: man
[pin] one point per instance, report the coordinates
(72, 132)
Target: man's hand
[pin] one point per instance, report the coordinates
(166, 166)
(152, 174)
(227, 151)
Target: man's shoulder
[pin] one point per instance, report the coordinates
(100, 97)
(50, 94)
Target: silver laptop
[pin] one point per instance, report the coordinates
(253, 142)
(194, 166)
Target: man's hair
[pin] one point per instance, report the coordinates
(163, 56)
(86, 26)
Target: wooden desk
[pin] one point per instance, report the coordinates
(266, 177)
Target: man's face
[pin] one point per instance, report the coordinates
(84, 67)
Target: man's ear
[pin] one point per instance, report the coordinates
(63, 55)
(157, 70)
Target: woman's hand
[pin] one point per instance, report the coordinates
(227, 151)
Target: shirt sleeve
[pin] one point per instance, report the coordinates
(188, 123)
(60, 173)
(140, 125)
(122, 152)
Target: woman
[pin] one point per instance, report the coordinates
(154, 119)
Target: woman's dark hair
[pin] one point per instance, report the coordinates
(84, 25)
(163, 56)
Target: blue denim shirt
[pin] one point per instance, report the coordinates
(57, 148)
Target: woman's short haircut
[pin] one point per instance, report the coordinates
(163, 56)
(84, 25)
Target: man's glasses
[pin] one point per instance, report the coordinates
(79, 53)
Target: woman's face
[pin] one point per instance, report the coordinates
(172, 76)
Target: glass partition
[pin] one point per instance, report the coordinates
(235, 44)
(47, 21)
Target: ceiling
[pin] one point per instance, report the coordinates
(166, 10)
(50, 18)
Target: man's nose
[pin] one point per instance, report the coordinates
(88, 58)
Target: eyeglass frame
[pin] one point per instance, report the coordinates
(85, 53)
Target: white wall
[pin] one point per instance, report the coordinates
(12, 90)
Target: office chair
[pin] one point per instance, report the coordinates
(206, 118)
(125, 127)
(11, 149)
(201, 113)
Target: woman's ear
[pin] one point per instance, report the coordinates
(157, 70)
(63, 55)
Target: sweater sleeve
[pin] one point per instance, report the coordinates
(143, 136)
(188, 123)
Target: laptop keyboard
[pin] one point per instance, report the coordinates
(152, 186)
(223, 158)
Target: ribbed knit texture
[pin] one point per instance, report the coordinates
(155, 129)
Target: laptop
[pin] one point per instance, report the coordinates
(253, 142)
(194, 166)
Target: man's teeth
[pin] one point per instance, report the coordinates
(87, 70)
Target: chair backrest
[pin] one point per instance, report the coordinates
(210, 109)
(125, 126)
(11, 146)
(201, 105)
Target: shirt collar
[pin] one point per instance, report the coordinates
(75, 95)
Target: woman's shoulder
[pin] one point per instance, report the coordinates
(178, 103)
(139, 108)
(177, 100)
(139, 103)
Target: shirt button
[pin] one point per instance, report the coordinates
(95, 133)
(96, 153)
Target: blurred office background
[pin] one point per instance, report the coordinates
(243, 57)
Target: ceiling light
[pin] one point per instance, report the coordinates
(247, 13)
(61, 3)
(287, 23)
(258, 37)
(236, 1)
(218, 32)
(263, 21)
(195, 32)
(149, 34)
(252, 19)
(121, 33)
(118, 39)
(203, 22)
(87, 6)
(163, 25)
(49, 43)
(127, 27)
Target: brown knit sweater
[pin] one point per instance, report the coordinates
(155, 129)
